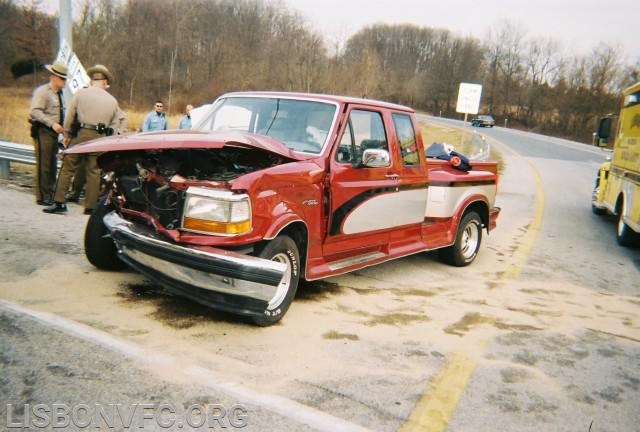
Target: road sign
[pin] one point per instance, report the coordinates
(469, 98)
(76, 76)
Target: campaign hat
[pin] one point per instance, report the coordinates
(58, 69)
(100, 72)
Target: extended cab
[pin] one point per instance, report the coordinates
(617, 189)
(272, 187)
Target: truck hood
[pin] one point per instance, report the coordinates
(176, 140)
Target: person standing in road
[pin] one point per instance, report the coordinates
(46, 115)
(92, 113)
(185, 122)
(79, 178)
(156, 120)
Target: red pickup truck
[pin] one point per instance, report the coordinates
(271, 187)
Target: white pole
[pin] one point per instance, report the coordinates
(65, 24)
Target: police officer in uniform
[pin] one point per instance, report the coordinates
(46, 117)
(92, 113)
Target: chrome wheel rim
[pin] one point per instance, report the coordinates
(469, 241)
(285, 282)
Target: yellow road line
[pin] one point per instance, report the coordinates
(435, 408)
(521, 254)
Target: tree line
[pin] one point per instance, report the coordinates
(191, 52)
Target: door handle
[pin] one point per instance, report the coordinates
(392, 176)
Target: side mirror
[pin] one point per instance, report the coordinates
(376, 158)
(601, 137)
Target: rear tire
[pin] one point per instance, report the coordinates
(624, 234)
(99, 248)
(468, 239)
(282, 249)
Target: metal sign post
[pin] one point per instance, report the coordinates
(468, 101)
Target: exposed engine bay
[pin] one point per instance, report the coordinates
(153, 182)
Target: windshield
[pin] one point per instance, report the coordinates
(302, 125)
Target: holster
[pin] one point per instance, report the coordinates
(75, 127)
(35, 128)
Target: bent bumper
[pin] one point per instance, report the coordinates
(218, 278)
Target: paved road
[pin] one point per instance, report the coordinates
(576, 273)
(541, 333)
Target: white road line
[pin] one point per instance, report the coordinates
(574, 145)
(285, 407)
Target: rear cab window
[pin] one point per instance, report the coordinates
(406, 136)
(364, 130)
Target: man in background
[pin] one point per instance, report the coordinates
(156, 120)
(46, 116)
(185, 122)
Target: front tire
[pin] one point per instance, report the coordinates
(468, 239)
(99, 248)
(597, 210)
(282, 249)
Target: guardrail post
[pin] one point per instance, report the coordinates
(5, 169)
(14, 152)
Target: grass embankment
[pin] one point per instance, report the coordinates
(466, 141)
(14, 125)
(14, 112)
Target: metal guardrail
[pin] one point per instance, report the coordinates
(12, 152)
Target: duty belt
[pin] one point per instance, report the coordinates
(101, 128)
(89, 126)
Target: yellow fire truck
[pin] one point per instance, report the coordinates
(617, 189)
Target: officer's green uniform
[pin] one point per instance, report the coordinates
(93, 105)
(46, 109)
(90, 107)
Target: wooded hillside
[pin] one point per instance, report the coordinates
(192, 51)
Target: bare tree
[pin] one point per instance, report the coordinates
(542, 66)
(504, 58)
(34, 35)
(193, 51)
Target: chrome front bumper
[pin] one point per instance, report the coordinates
(215, 277)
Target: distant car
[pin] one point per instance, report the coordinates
(483, 121)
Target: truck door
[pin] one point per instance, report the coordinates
(363, 199)
(409, 164)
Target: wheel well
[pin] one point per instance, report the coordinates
(481, 208)
(619, 203)
(298, 232)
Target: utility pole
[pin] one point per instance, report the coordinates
(65, 24)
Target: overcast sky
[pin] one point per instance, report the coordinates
(578, 25)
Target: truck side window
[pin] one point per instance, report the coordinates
(632, 99)
(365, 130)
(406, 138)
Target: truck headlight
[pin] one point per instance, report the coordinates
(211, 211)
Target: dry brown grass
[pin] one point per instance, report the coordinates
(14, 113)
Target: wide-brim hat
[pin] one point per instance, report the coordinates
(100, 72)
(58, 69)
